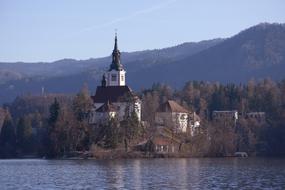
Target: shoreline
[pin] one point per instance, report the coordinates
(132, 155)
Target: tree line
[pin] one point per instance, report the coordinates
(56, 125)
(222, 138)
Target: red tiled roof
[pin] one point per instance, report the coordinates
(171, 106)
(111, 94)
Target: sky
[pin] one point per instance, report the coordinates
(49, 30)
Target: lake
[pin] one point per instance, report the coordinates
(192, 173)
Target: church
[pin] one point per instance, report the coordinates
(114, 99)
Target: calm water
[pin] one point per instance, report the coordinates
(230, 173)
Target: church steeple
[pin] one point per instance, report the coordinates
(115, 76)
(116, 57)
(116, 43)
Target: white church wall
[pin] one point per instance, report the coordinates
(138, 109)
(121, 107)
(122, 78)
(112, 78)
(116, 78)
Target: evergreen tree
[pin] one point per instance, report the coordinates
(53, 112)
(8, 138)
(24, 134)
(131, 129)
(82, 104)
(111, 139)
(52, 137)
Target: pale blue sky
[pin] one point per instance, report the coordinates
(48, 30)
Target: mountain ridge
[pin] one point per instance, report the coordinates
(256, 52)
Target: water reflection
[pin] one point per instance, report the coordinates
(118, 175)
(184, 174)
(195, 178)
(137, 174)
(144, 174)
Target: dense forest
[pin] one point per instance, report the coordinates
(56, 125)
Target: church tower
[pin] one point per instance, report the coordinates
(113, 93)
(115, 76)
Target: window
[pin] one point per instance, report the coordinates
(114, 77)
(122, 78)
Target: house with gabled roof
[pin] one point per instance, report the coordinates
(172, 115)
(163, 141)
(114, 98)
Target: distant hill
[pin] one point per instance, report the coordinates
(257, 52)
(68, 75)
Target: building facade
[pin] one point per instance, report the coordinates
(171, 114)
(194, 124)
(257, 116)
(231, 115)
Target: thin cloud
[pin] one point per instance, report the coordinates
(131, 16)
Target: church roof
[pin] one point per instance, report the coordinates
(171, 106)
(111, 94)
(107, 107)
